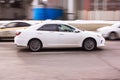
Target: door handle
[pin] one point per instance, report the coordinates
(61, 34)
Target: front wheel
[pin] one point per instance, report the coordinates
(34, 45)
(89, 44)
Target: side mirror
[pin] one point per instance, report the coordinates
(76, 31)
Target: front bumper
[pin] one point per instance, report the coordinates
(101, 42)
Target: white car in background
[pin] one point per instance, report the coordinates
(57, 35)
(8, 29)
(110, 32)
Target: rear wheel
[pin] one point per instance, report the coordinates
(112, 36)
(34, 45)
(89, 44)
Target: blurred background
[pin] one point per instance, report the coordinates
(60, 9)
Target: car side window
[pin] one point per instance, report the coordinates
(22, 24)
(17, 24)
(49, 27)
(65, 28)
(11, 25)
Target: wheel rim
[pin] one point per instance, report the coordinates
(34, 45)
(112, 36)
(89, 44)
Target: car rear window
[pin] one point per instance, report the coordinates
(49, 27)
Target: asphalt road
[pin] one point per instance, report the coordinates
(60, 64)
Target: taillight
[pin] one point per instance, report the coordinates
(18, 33)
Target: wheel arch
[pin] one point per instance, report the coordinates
(117, 35)
(113, 32)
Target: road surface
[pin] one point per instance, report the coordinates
(60, 64)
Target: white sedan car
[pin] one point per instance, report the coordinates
(110, 32)
(57, 35)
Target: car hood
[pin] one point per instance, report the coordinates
(92, 33)
(103, 28)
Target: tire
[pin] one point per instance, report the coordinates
(112, 36)
(34, 45)
(89, 44)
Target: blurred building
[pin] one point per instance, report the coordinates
(14, 9)
(72, 9)
(100, 10)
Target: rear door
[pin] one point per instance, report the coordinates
(48, 34)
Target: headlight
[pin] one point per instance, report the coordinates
(99, 35)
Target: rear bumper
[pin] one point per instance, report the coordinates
(20, 42)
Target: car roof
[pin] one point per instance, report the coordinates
(55, 22)
(26, 21)
(48, 22)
